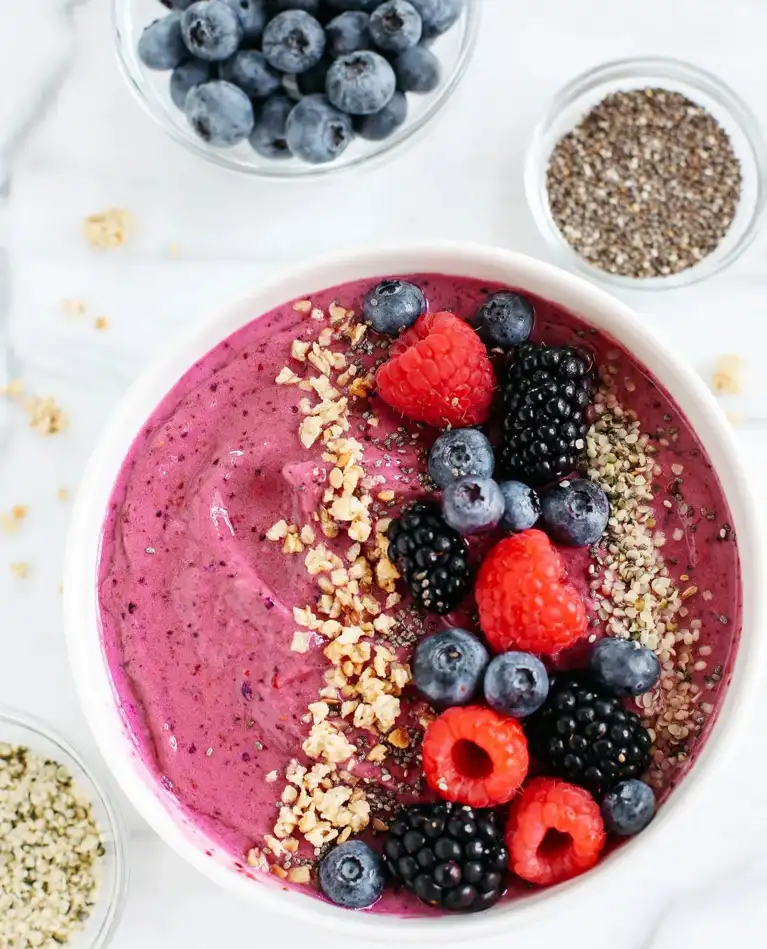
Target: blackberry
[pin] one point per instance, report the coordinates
(584, 733)
(431, 557)
(546, 397)
(450, 856)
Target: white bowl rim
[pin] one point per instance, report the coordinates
(593, 304)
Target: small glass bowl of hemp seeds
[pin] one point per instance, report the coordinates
(63, 870)
(647, 174)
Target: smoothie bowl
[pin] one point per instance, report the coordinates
(419, 592)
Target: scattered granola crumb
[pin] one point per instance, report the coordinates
(108, 229)
(45, 415)
(14, 390)
(10, 522)
(727, 377)
(63, 494)
(72, 307)
(101, 323)
(20, 570)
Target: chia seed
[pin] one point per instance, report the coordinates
(646, 185)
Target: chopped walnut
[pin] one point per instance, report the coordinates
(300, 641)
(278, 531)
(325, 741)
(286, 377)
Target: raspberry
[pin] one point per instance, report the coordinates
(439, 373)
(523, 599)
(555, 832)
(475, 756)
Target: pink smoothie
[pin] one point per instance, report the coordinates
(196, 603)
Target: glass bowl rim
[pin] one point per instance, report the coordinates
(115, 830)
(410, 132)
(653, 68)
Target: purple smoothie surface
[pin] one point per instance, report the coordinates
(196, 603)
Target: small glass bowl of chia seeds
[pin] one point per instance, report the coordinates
(647, 174)
(59, 814)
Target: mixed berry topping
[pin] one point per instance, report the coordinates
(448, 667)
(516, 685)
(432, 558)
(475, 756)
(546, 394)
(524, 600)
(555, 832)
(628, 808)
(584, 733)
(439, 372)
(460, 453)
(452, 857)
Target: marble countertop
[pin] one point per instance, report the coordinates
(72, 141)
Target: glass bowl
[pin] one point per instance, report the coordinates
(17, 728)
(454, 49)
(573, 102)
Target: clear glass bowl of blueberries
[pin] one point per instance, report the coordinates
(294, 88)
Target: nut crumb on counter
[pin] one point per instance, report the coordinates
(108, 229)
(727, 377)
(72, 307)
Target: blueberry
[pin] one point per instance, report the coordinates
(161, 45)
(348, 32)
(317, 132)
(522, 506)
(505, 319)
(314, 80)
(448, 667)
(472, 505)
(395, 26)
(250, 71)
(458, 453)
(516, 684)
(628, 808)
(177, 4)
(211, 30)
(393, 305)
(361, 83)
(186, 77)
(352, 875)
(293, 41)
(438, 15)
(575, 512)
(627, 668)
(381, 125)
(252, 14)
(417, 70)
(268, 137)
(220, 113)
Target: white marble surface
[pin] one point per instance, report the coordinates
(72, 142)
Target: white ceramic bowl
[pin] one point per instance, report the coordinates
(89, 666)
